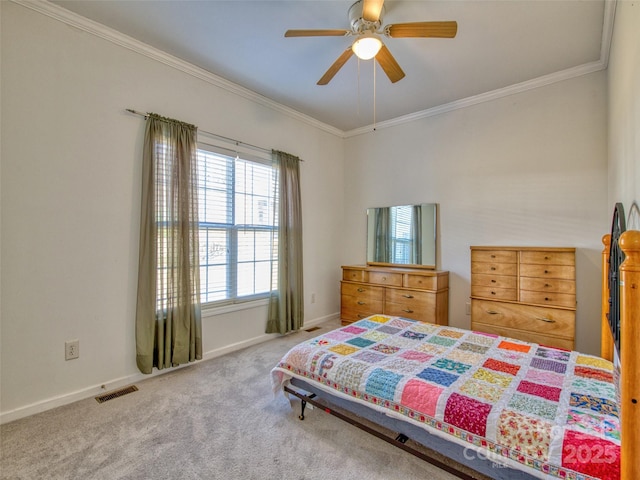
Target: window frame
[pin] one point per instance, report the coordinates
(235, 303)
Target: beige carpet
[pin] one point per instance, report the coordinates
(217, 419)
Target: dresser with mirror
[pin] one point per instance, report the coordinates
(400, 277)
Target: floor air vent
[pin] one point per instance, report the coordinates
(116, 394)
(312, 329)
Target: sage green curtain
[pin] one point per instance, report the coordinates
(382, 220)
(416, 234)
(168, 322)
(286, 304)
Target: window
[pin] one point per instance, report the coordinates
(238, 231)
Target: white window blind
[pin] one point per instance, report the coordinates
(238, 231)
(401, 234)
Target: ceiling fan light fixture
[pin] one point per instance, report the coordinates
(366, 47)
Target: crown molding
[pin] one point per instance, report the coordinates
(607, 30)
(113, 36)
(483, 97)
(72, 19)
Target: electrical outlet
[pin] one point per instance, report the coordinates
(467, 307)
(71, 349)
(313, 298)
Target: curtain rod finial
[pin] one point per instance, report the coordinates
(135, 112)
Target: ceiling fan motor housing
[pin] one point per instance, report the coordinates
(358, 24)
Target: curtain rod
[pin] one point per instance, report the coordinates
(238, 143)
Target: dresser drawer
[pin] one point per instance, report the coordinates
(413, 299)
(353, 275)
(523, 335)
(548, 271)
(354, 308)
(556, 285)
(547, 321)
(362, 291)
(421, 281)
(494, 256)
(494, 293)
(496, 281)
(385, 278)
(548, 298)
(494, 268)
(349, 315)
(547, 258)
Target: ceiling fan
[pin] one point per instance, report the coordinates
(365, 17)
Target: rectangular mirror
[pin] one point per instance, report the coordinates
(402, 235)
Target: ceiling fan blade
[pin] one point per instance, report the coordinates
(316, 33)
(389, 65)
(422, 29)
(337, 65)
(371, 10)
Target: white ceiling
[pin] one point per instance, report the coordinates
(499, 44)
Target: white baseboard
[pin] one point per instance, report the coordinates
(95, 390)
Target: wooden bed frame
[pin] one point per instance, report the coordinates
(621, 318)
(620, 314)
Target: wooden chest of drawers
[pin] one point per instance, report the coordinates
(417, 293)
(528, 293)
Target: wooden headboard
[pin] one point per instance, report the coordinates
(613, 257)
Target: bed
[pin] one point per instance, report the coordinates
(485, 406)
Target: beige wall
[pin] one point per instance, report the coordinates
(624, 108)
(70, 204)
(527, 169)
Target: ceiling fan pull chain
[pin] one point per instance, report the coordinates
(374, 94)
(358, 87)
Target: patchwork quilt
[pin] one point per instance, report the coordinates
(552, 413)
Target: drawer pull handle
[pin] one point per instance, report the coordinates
(546, 258)
(492, 312)
(493, 256)
(361, 290)
(493, 268)
(493, 281)
(546, 271)
(361, 303)
(547, 285)
(407, 310)
(547, 299)
(407, 296)
(493, 293)
(543, 319)
(384, 279)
